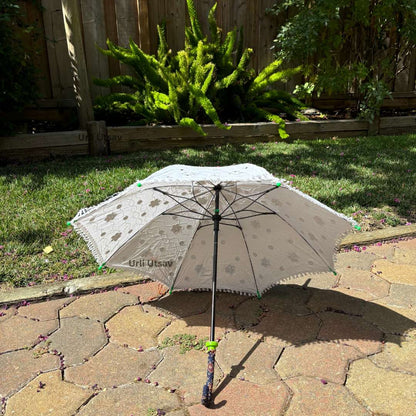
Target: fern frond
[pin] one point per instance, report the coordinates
(163, 48)
(147, 64)
(190, 122)
(208, 107)
(213, 26)
(208, 78)
(236, 74)
(193, 17)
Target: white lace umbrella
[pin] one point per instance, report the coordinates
(185, 225)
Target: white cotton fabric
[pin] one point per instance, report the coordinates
(163, 229)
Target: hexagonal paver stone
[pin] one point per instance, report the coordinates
(134, 399)
(7, 312)
(402, 296)
(99, 306)
(249, 313)
(389, 318)
(227, 303)
(78, 339)
(325, 360)
(186, 372)
(285, 329)
(287, 298)
(395, 273)
(382, 250)
(246, 357)
(335, 300)
(313, 398)
(364, 281)
(145, 291)
(183, 304)
(350, 330)
(403, 255)
(48, 395)
(409, 244)
(198, 325)
(248, 399)
(19, 367)
(319, 281)
(136, 328)
(362, 260)
(18, 332)
(43, 311)
(113, 366)
(382, 391)
(399, 354)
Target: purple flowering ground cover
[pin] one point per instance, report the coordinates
(372, 179)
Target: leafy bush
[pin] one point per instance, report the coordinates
(17, 72)
(207, 81)
(354, 46)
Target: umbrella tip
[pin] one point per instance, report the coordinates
(258, 295)
(278, 184)
(101, 266)
(357, 227)
(139, 184)
(68, 223)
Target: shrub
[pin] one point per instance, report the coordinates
(208, 81)
(17, 72)
(354, 46)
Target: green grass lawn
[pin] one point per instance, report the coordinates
(371, 179)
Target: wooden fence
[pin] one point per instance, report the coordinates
(121, 20)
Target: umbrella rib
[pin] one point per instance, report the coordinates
(182, 204)
(253, 201)
(257, 214)
(248, 253)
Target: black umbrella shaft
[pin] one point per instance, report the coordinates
(216, 218)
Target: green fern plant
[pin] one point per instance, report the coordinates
(209, 81)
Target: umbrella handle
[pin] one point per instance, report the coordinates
(207, 389)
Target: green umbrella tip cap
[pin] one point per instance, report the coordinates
(170, 291)
(258, 295)
(278, 184)
(211, 345)
(68, 223)
(357, 227)
(139, 184)
(101, 266)
(333, 272)
(216, 211)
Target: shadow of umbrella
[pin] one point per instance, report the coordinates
(287, 316)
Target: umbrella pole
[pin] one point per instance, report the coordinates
(212, 344)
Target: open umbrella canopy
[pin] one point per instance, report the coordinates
(167, 227)
(162, 227)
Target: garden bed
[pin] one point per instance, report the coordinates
(134, 138)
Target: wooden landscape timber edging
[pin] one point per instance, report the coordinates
(99, 139)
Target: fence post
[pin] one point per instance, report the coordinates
(71, 12)
(98, 143)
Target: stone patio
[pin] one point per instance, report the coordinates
(334, 345)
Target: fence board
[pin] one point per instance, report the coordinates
(37, 44)
(94, 35)
(143, 18)
(127, 27)
(59, 63)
